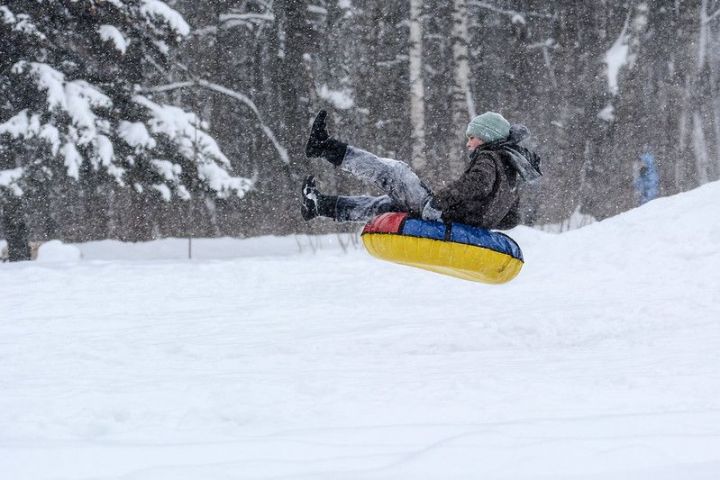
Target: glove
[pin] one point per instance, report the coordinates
(430, 212)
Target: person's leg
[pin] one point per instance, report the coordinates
(342, 208)
(362, 208)
(405, 191)
(394, 177)
(321, 144)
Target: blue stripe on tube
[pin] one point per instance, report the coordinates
(464, 234)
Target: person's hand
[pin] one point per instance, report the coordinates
(430, 212)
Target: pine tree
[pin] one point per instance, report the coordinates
(74, 111)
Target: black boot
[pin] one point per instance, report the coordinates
(321, 144)
(315, 203)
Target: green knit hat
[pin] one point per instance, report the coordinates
(489, 127)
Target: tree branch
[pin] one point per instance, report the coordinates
(167, 88)
(712, 16)
(232, 94)
(511, 13)
(204, 31)
(231, 20)
(225, 17)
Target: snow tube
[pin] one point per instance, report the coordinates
(458, 250)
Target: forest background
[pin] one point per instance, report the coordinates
(599, 83)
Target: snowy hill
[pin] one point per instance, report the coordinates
(600, 361)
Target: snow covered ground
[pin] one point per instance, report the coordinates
(600, 361)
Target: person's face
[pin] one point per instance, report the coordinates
(473, 143)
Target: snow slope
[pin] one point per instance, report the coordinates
(600, 361)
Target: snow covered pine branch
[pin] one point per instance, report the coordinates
(242, 98)
(72, 110)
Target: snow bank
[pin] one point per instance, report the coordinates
(216, 248)
(56, 251)
(599, 362)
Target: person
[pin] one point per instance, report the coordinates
(647, 179)
(486, 194)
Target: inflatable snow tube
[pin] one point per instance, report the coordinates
(458, 250)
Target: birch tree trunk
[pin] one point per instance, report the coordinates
(698, 134)
(702, 36)
(417, 88)
(700, 150)
(463, 105)
(683, 134)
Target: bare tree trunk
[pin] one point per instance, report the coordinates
(713, 61)
(15, 227)
(417, 89)
(684, 132)
(698, 132)
(461, 38)
(700, 150)
(716, 122)
(702, 36)
(294, 43)
(463, 107)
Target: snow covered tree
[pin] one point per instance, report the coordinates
(75, 107)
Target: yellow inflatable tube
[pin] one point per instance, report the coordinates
(457, 250)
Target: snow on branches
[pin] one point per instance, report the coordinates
(20, 23)
(72, 108)
(110, 33)
(155, 10)
(185, 130)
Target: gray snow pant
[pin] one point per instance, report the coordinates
(405, 192)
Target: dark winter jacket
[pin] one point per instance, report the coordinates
(486, 194)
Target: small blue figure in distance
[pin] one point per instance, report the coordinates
(647, 179)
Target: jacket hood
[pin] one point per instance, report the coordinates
(526, 162)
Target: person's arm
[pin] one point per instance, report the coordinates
(477, 182)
